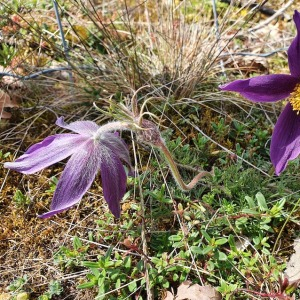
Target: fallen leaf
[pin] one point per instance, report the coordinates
(190, 291)
(6, 101)
(10, 81)
(168, 296)
(5, 296)
(292, 271)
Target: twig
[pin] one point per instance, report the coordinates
(34, 75)
(277, 14)
(143, 236)
(214, 6)
(62, 36)
(263, 9)
(254, 54)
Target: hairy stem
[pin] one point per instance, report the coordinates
(112, 126)
(175, 171)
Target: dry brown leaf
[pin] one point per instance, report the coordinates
(292, 271)
(11, 81)
(190, 291)
(168, 296)
(5, 296)
(6, 101)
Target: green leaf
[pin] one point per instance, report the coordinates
(250, 201)
(178, 244)
(91, 264)
(265, 251)
(256, 240)
(115, 274)
(166, 284)
(140, 265)
(44, 297)
(127, 262)
(175, 238)
(101, 279)
(261, 201)
(221, 256)
(207, 249)
(101, 293)
(155, 260)
(196, 250)
(118, 283)
(165, 200)
(231, 243)
(87, 285)
(76, 243)
(221, 241)
(241, 221)
(281, 203)
(132, 286)
(250, 211)
(95, 272)
(91, 277)
(108, 264)
(134, 272)
(118, 263)
(206, 236)
(277, 208)
(108, 252)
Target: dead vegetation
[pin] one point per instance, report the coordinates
(177, 50)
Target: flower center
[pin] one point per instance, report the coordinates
(295, 99)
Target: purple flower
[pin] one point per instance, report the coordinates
(91, 148)
(285, 143)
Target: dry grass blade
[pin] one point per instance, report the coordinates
(168, 56)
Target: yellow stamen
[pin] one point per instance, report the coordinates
(295, 99)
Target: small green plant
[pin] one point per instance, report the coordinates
(114, 274)
(20, 199)
(259, 217)
(54, 289)
(71, 258)
(167, 271)
(4, 155)
(212, 247)
(18, 284)
(53, 183)
(220, 128)
(7, 53)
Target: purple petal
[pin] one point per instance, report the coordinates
(266, 88)
(294, 49)
(46, 153)
(113, 182)
(285, 144)
(117, 145)
(76, 178)
(85, 128)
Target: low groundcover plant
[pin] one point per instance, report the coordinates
(91, 148)
(285, 143)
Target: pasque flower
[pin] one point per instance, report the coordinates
(90, 148)
(285, 143)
